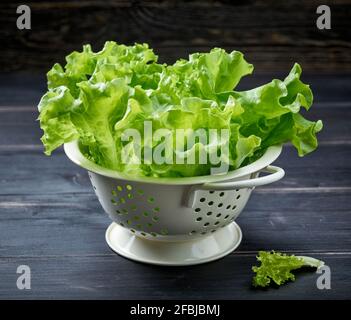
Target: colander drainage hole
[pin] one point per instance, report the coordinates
(221, 194)
(210, 203)
(213, 231)
(209, 213)
(192, 232)
(220, 205)
(129, 187)
(199, 219)
(151, 199)
(145, 214)
(202, 200)
(132, 230)
(206, 224)
(119, 188)
(143, 234)
(218, 215)
(197, 210)
(238, 196)
(227, 216)
(204, 232)
(228, 206)
(234, 207)
(216, 223)
(211, 191)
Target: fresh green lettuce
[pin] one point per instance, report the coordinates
(95, 97)
(277, 267)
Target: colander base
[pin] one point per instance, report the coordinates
(196, 251)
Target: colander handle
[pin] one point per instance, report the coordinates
(276, 174)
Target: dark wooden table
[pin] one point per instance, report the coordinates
(51, 220)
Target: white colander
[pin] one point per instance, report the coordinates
(175, 221)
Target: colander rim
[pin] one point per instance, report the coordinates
(73, 152)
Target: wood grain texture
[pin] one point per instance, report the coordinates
(74, 224)
(112, 277)
(21, 169)
(51, 220)
(272, 34)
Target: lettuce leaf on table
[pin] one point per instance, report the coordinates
(277, 267)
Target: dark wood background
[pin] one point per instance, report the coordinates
(50, 218)
(272, 34)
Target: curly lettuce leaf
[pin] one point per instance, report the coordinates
(203, 75)
(113, 61)
(277, 267)
(191, 115)
(271, 112)
(97, 96)
(56, 108)
(102, 105)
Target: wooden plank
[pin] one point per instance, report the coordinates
(327, 167)
(19, 126)
(31, 172)
(272, 34)
(75, 224)
(112, 277)
(22, 88)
